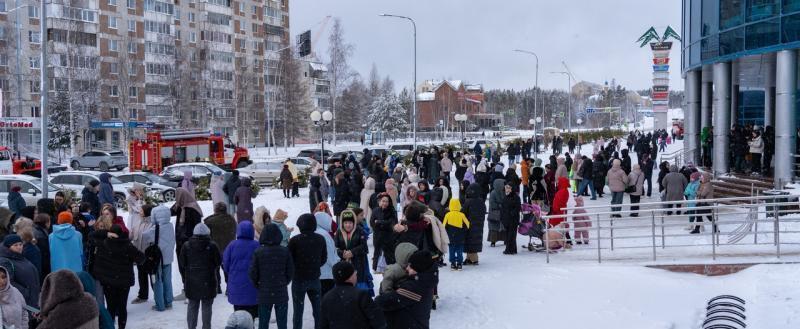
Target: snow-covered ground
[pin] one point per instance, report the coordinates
(573, 291)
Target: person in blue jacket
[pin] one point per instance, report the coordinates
(236, 259)
(66, 245)
(15, 201)
(106, 194)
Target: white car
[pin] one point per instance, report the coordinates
(174, 173)
(159, 186)
(77, 180)
(31, 188)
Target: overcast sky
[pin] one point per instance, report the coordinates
(473, 40)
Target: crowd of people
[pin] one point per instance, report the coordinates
(67, 262)
(751, 148)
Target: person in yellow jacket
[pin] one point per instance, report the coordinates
(456, 224)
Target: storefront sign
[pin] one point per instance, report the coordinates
(20, 123)
(661, 61)
(120, 124)
(661, 68)
(660, 89)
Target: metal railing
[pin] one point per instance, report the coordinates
(655, 227)
(677, 157)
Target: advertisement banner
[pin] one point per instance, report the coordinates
(660, 102)
(660, 68)
(120, 124)
(20, 123)
(660, 89)
(661, 45)
(660, 75)
(661, 61)
(660, 53)
(660, 96)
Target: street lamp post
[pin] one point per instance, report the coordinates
(533, 123)
(414, 87)
(579, 121)
(321, 120)
(462, 119)
(536, 82)
(569, 99)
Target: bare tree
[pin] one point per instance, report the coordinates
(339, 52)
(294, 96)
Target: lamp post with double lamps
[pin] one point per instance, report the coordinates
(321, 120)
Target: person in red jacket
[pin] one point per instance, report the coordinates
(559, 203)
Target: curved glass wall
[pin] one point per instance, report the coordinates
(717, 30)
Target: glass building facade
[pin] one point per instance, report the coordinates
(722, 30)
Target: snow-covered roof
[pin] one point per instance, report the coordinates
(473, 87)
(473, 100)
(594, 97)
(428, 96)
(318, 67)
(455, 84)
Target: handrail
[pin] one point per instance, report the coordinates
(749, 198)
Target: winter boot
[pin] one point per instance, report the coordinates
(459, 267)
(453, 266)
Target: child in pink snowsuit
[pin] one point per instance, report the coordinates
(582, 223)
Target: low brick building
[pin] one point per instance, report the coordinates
(438, 101)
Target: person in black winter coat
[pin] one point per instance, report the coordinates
(230, 187)
(24, 276)
(509, 216)
(271, 271)
(346, 307)
(382, 221)
(89, 195)
(512, 178)
(351, 246)
(342, 196)
(200, 258)
(647, 168)
(599, 171)
(587, 177)
(41, 229)
(314, 192)
(409, 306)
(114, 259)
(475, 209)
(626, 162)
(663, 170)
(309, 253)
(435, 203)
(187, 215)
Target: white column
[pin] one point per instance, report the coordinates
(785, 89)
(706, 100)
(691, 136)
(722, 116)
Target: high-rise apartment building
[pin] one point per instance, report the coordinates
(126, 65)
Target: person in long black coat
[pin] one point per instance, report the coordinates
(351, 246)
(24, 277)
(342, 196)
(509, 216)
(475, 209)
(271, 271)
(200, 258)
(114, 259)
(482, 179)
(435, 203)
(382, 221)
(314, 192)
(346, 307)
(599, 171)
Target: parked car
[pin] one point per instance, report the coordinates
(31, 188)
(315, 153)
(160, 186)
(174, 173)
(101, 160)
(263, 172)
(379, 151)
(344, 154)
(402, 149)
(77, 180)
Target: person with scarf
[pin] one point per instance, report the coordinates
(139, 223)
(351, 246)
(12, 303)
(217, 187)
(187, 182)
(382, 219)
(188, 214)
(496, 199)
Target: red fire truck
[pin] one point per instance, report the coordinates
(14, 164)
(163, 148)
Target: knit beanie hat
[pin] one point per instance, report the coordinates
(201, 229)
(11, 239)
(420, 261)
(342, 271)
(64, 217)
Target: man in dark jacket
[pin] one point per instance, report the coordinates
(41, 229)
(435, 203)
(409, 306)
(230, 188)
(106, 194)
(346, 306)
(223, 231)
(647, 169)
(475, 210)
(271, 271)
(309, 253)
(201, 259)
(89, 195)
(587, 175)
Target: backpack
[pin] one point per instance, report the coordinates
(153, 256)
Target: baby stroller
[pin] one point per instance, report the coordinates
(532, 226)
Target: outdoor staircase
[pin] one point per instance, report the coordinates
(736, 186)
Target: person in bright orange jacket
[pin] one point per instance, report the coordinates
(524, 168)
(456, 224)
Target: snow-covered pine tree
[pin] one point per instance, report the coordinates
(387, 114)
(59, 122)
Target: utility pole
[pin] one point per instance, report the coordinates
(44, 132)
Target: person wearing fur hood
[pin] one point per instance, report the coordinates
(12, 304)
(64, 304)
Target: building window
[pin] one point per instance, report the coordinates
(3, 60)
(2, 32)
(132, 70)
(131, 4)
(2, 6)
(177, 14)
(112, 2)
(114, 112)
(34, 37)
(730, 13)
(192, 37)
(33, 62)
(35, 112)
(34, 86)
(132, 47)
(62, 60)
(133, 92)
(133, 114)
(254, 9)
(112, 23)
(33, 11)
(113, 68)
(132, 26)
(114, 91)
(191, 17)
(761, 9)
(241, 7)
(112, 45)
(762, 34)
